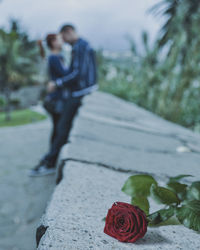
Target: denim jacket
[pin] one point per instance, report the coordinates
(82, 76)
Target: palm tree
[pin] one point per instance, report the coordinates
(179, 16)
(180, 35)
(18, 61)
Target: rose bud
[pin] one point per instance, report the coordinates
(125, 222)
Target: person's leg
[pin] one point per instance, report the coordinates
(41, 168)
(55, 119)
(62, 130)
(47, 165)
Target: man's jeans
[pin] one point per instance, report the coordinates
(62, 129)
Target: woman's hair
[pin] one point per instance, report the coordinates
(50, 38)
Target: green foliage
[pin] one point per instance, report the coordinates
(138, 185)
(178, 177)
(179, 188)
(15, 102)
(161, 216)
(165, 77)
(189, 215)
(163, 195)
(194, 191)
(21, 117)
(2, 102)
(141, 202)
(19, 59)
(180, 200)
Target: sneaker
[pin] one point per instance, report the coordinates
(41, 170)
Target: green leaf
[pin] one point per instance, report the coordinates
(179, 177)
(194, 191)
(179, 188)
(161, 216)
(163, 195)
(189, 215)
(138, 185)
(141, 202)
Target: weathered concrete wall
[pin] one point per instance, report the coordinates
(110, 140)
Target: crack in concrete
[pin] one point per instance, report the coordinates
(131, 127)
(151, 151)
(184, 142)
(103, 165)
(41, 230)
(161, 177)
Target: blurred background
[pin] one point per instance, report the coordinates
(104, 23)
(147, 52)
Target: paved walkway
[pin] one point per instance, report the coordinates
(22, 199)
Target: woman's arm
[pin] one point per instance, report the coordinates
(58, 67)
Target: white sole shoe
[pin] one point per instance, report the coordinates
(41, 171)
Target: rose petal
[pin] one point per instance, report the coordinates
(125, 222)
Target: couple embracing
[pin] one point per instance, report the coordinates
(66, 89)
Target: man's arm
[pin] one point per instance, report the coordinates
(57, 65)
(73, 74)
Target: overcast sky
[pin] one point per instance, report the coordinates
(103, 22)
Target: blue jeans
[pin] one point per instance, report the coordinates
(63, 128)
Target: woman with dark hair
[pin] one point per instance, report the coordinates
(53, 102)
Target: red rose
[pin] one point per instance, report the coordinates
(125, 222)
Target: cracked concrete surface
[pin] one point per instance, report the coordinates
(111, 134)
(80, 202)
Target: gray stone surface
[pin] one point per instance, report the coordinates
(110, 140)
(81, 201)
(122, 135)
(23, 200)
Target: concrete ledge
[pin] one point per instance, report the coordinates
(80, 202)
(110, 140)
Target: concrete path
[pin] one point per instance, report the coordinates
(22, 199)
(112, 139)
